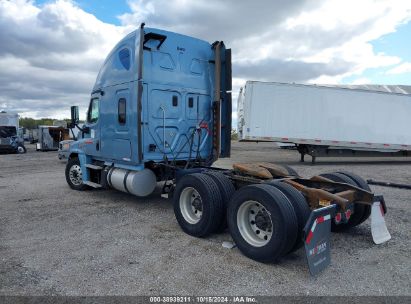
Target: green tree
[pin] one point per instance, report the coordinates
(234, 134)
(28, 123)
(31, 123)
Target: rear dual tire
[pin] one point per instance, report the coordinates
(361, 211)
(262, 222)
(265, 221)
(290, 170)
(301, 209)
(227, 190)
(198, 205)
(361, 183)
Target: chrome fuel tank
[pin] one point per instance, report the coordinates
(139, 183)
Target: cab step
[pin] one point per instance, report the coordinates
(94, 167)
(91, 184)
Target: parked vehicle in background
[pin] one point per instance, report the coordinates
(64, 149)
(49, 137)
(10, 141)
(25, 134)
(30, 135)
(324, 120)
(33, 135)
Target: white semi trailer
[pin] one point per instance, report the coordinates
(326, 121)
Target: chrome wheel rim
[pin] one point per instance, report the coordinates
(254, 223)
(20, 149)
(191, 205)
(75, 175)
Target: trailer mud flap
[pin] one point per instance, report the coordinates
(317, 233)
(379, 229)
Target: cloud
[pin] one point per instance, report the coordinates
(286, 41)
(50, 54)
(288, 70)
(229, 19)
(361, 80)
(401, 68)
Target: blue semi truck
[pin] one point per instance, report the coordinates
(160, 112)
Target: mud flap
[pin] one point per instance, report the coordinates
(379, 229)
(317, 233)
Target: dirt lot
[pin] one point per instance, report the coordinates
(54, 240)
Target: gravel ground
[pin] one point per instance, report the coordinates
(54, 240)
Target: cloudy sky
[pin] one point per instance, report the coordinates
(51, 51)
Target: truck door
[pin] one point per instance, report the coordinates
(116, 136)
(92, 145)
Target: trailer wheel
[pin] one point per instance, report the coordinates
(227, 190)
(262, 222)
(74, 176)
(301, 209)
(198, 206)
(361, 183)
(359, 209)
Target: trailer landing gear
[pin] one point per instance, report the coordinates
(307, 149)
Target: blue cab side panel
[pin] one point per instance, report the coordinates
(177, 97)
(113, 137)
(117, 81)
(176, 102)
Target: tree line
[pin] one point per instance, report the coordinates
(31, 123)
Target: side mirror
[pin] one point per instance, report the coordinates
(85, 130)
(74, 115)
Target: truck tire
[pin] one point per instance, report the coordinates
(301, 209)
(198, 206)
(227, 190)
(361, 183)
(290, 170)
(359, 209)
(74, 176)
(262, 222)
(21, 149)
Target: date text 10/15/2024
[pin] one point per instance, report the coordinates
(202, 299)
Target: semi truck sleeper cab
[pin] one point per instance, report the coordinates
(160, 111)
